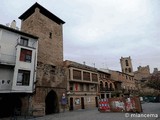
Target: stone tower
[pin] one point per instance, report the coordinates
(143, 72)
(51, 83)
(48, 27)
(126, 65)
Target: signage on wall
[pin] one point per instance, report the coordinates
(77, 101)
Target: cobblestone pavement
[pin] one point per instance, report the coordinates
(94, 114)
(148, 108)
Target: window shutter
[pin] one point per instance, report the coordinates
(22, 55)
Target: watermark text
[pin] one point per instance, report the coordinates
(139, 115)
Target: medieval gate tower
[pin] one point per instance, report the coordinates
(51, 83)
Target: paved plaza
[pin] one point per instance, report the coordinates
(148, 108)
(94, 114)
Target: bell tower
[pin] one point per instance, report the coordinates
(126, 65)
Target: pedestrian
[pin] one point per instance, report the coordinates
(63, 102)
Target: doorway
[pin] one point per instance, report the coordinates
(82, 103)
(9, 104)
(96, 100)
(71, 104)
(51, 103)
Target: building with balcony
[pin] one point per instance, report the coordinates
(108, 87)
(37, 72)
(128, 84)
(82, 85)
(18, 62)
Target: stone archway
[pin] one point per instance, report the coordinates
(51, 103)
(10, 105)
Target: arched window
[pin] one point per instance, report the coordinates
(126, 62)
(106, 86)
(129, 69)
(115, 85)
(101, 85)
(111, 87)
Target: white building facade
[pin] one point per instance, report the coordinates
(18, 61)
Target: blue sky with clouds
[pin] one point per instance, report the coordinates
(101, 31)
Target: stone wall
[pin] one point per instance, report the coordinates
(142, 72)
(127, 80)
(50, 49)
(89, 101)
(50, 43)
(50, 75)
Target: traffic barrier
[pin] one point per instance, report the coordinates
(121, 104)
(104, 105)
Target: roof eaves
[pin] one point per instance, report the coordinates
(43, 10)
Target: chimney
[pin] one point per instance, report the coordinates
(13, 24)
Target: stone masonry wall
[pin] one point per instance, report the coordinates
(50, 71)
(50, 50)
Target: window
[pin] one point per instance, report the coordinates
(24, 41)
(50, 35)
(101, 86)
(23, 78)
(77, 74)
(102, 96)
(111, 87)
(94, 77)
(81, 87)
(26, 55)
(126, 62)
(3, 81)
(71, 86)
(106, 86)
(86, 76)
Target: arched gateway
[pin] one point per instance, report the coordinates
(51, 103)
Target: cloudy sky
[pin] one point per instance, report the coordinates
(101, 31)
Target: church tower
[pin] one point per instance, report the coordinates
(126, 65)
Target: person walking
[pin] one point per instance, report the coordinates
(63, 102)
